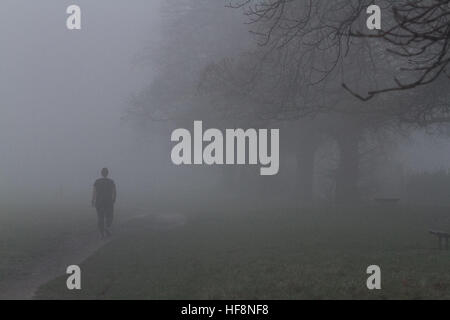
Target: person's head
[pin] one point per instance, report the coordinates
(105, 172)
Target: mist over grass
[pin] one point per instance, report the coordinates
(310, 253)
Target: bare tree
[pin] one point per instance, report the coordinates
(418, 33)
(415, 34)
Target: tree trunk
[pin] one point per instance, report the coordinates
(348, 170)
(305, 173)
(308, 142)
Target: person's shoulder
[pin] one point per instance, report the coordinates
(98, 180)
(103, 181)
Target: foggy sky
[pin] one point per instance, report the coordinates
(63, 94)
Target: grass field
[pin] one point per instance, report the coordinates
(27, 234)
(284, 254)
(34, 241)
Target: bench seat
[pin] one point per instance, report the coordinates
(441, 235)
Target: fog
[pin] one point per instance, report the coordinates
(355, 131)
(65, 98)
(64, 95)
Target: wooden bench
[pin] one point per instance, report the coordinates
(441, 235)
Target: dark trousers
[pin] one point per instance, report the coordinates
(105, 214)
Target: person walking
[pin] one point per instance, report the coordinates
(103, 199)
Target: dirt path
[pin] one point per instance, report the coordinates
(74, 249)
